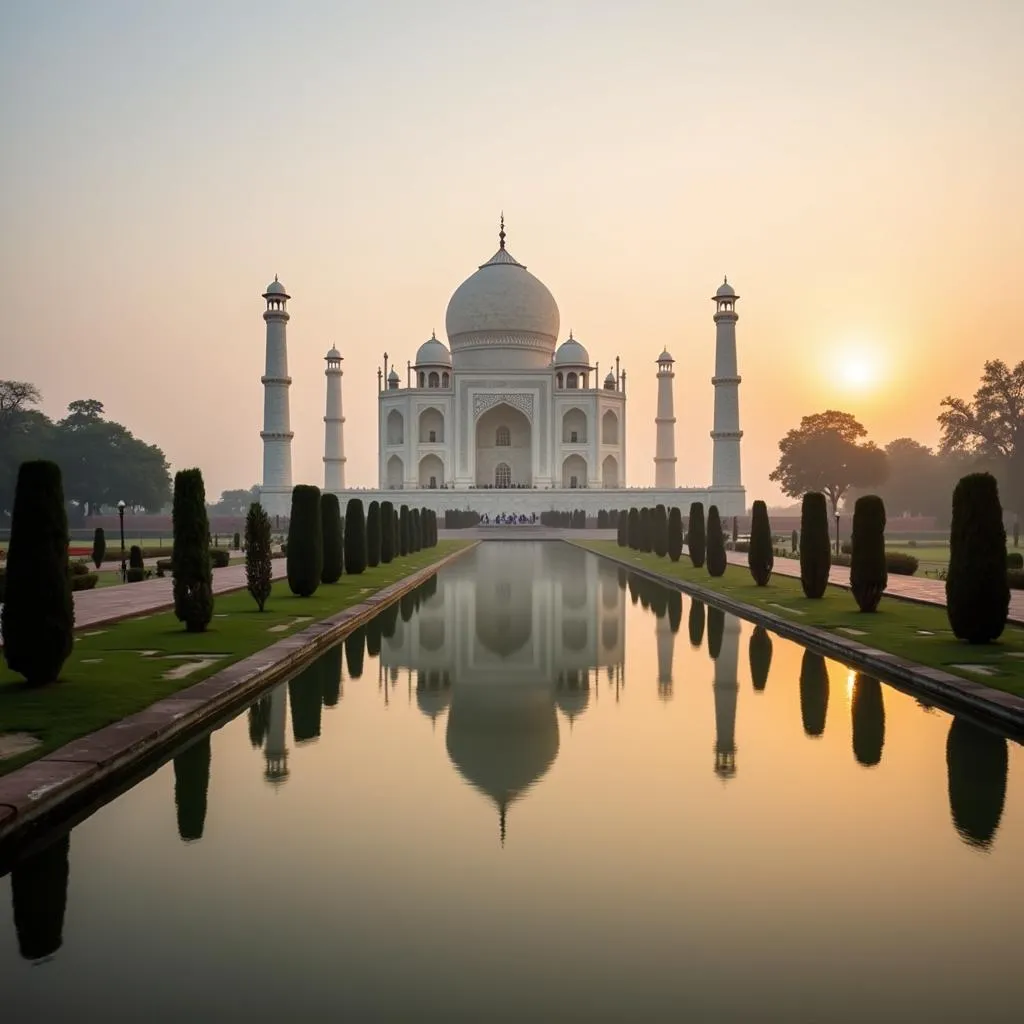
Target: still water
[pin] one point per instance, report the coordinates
(542, 790)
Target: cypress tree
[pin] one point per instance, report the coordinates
(405, 531)
(675, 534)
(387, 536)
(760, 555)
(622, 532)
(333, 543)
(759, 651)
(815, 546)
(305, 556)
(259, 569)
(190, 559)
(374, 536)
(99, 546)
(355, 537)
(633, 529)
(645, 530)
(716, 557)
(977, 592)
(38, 615)
(696, 542)
(794, 541)
(659, 524)
(414, 530)
(868, 574)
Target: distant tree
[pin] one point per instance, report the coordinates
(333, 538)
(235, 502)
(99, 546)
(659, 531)
(25, 434)
(977, 592)
(675, 534)
(387, 538)
(815, 547)
(760, 553)
(355, 537)
(37, 617)
(305, 555)
(717, 560)
(696, 540)
(868, 573)
(259, 568)
(374, 535)
(760, 653)
(825, 454)
(190, 560)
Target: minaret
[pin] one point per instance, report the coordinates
(665, 423)
(275, 494)
(276, 749)
(725, 462)
(726, 688)
(334, 426)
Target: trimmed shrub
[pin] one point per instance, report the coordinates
(355, 537)
(305, 558)
(815, 546)
(387, 534)
(868, 573)
(659, 529)
(135, 574)
(696, 539)
(675, 534)
(259, 571)
(602, 520)
(415, 540)
(236, 541)
(1015, 560)
(760, 555)
(135, 557)
(164, 566)
(622, 532)
(333, 539)
(645, 530)
(794, 541)
(900, 564)
(633, 529)
(374, 535)
(404, 531)
(759, 651)
(716, 558)
(219, 558)
(99, 546)
(193, 576)
(977, 592)
(78, 568)
(86, 582)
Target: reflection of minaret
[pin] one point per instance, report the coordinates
(666, 642)
(277, 750)
(726, 687)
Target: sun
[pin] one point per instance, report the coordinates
(857, 370)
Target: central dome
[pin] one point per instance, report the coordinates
(502, 317)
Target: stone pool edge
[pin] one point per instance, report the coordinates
(1006, 709)
(68, 776)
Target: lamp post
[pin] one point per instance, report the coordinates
(837, 533)
(124, 567)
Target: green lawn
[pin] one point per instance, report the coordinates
(108, 675)
(894, 627)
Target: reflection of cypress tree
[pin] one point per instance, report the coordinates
(330, 685)
(976, 766)
(633, 582)
(39, 891)
(716, 630)
(407, 605)
(760, 654)
(430, 587)
(813, 693)
(696, 623)
(644, 587)
(305, 695)
(373, 637)
(354, 652)
(659, 600)
(675, 610)
(191, 783)
(868, 711)
(622, 576)
(389, 620)
(259, 720)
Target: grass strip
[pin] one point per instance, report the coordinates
(119, 669)
(917, 632)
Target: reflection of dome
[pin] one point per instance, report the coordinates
(572, 698)
(433, 353)
(503, 308)
(433, 692)
(572, 352)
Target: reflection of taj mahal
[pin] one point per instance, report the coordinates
(505, 411)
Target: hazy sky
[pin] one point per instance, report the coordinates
(855, 168)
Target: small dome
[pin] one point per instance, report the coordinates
(333, 353)
(433, 353)
(725, 290)
(276, 288)
(572, 352)
(665, 356)
(393, 375)
(610, 378)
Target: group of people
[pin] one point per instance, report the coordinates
(509, 519)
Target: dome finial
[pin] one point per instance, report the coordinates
(571, 338)
(725, 279)
(433, 334)
(275, 279)
(501, 232)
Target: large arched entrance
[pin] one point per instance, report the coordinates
(504, 439)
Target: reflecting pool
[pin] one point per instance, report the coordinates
(541, 788)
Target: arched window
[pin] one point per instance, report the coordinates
(503, 439)
(433, 381)
(558, 380)
(570, 381)
(444, 380)
(502, 474)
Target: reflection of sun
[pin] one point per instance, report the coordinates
(851, 683)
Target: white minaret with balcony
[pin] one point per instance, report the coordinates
(665, 424)
(276, 490)
(334, 426)
(725, 462)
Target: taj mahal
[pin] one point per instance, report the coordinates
(503, 418)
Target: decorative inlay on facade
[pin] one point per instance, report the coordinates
(517, 400)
